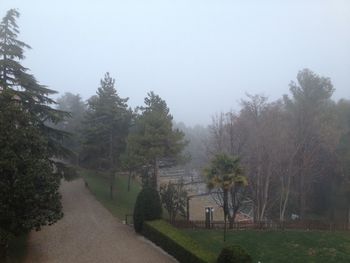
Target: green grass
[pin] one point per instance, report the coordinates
(123, 202)
(281, 246)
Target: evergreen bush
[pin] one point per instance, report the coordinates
(70, 173)
(234, 254)
(147, 207)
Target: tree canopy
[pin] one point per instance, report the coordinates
(105, 126)
(294, 151)
(153, 139)
(29, 195)
(225, 175)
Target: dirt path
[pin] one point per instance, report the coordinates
(89, 233)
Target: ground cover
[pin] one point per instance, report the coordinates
(281, 246)
(123, 202)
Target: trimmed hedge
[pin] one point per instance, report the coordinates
(176, 243)
(147, 207)
(234, 254)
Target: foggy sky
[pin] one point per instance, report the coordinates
(201, 56)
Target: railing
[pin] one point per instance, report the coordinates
(294, 224)
(129, 219)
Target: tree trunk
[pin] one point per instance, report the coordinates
(285, 201)
(258, 188)
(265, 197)
(129, 181)
(225, 228)
(349, 217)
(231, 221)
(235, 203)
(225, 211)
(111, 187)
(188, 209)
(282, 187)
(156, 179)
(225, 203)
(266, 191)
(111, 165)
(173, 217)
(290, 172)
(77, 160)
(302, 201)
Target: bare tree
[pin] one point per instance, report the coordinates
(290, 149)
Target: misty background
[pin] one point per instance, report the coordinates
(200, 56)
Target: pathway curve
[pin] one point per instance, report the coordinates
(89, 233)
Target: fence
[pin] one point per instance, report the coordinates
(129, 219)
(268, 225)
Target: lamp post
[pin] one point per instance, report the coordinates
(209, 217)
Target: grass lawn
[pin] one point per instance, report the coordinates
(279, 246)
(123, 202)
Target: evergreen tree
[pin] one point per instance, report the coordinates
(29, 195)
(153, 138)
(310, 111)
(32, 96)
(106, 127)
(76, 107)
(341, 193)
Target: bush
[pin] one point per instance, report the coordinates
(176, 243)
(234, 254)
(147, 207)
(70, 173)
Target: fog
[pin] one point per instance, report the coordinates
(200, 56)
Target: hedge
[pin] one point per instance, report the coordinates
(176, 243)
(234, 254)
(147, 207)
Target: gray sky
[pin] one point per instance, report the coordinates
(201, 56)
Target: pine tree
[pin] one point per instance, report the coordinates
(76, 107)
(29, 195)
(310, 112)
(106, 127)
(33, 97)
(153, 138)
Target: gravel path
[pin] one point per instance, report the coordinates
(89, 233)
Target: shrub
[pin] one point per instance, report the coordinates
(174, 197)
(176, 243)
(234, 254)
(70, 173)
(147, 207)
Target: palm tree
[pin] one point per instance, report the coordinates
(223, 174)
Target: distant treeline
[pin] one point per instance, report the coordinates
(295, 151)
